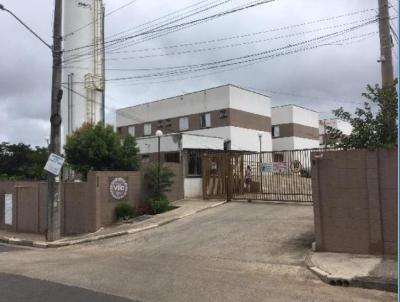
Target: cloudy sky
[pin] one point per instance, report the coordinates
(328, 73)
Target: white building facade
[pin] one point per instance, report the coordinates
(294, 128)
(241, 117)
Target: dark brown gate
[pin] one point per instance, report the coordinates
(273, 176)
(215, 175)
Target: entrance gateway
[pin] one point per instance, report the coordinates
(272, 176)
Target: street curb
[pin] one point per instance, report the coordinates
(362, 282)
(64, 243)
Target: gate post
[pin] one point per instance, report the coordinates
(228, 176)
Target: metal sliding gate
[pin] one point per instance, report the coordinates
(274, 176)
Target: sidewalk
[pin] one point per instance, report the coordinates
(366, 271)
(139, 224)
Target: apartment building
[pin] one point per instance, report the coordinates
(239, 116)
(212, 120)
(294, 127)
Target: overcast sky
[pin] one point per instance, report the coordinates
(322, 79)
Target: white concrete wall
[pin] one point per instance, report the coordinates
(305, 143)
(193, 187)
(248, 101)
(283, 143)
(193, 103)
(202, 142)
(305, 117)
(293, 114)
(243, 139)
(281, 115)
(168, 143)
(221, 132)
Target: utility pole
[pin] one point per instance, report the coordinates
(386, 44)
(53, 198)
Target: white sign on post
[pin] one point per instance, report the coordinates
(54, 164)
(8, 209)
(275, 167)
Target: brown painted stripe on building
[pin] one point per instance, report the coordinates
(297, 130)
(219, 118)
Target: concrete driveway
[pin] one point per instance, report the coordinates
(235, 252)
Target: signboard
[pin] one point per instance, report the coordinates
(8, 209)
(267, 167)
(118, 188)
(280, 167)
(54, 164)
(275, 167)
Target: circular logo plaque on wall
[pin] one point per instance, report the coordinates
(118, 188)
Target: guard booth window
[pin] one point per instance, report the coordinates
(194, 163)
(172, 157)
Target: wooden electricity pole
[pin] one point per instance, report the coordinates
(53, 198)
(386, 44)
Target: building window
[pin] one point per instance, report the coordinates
(223, 114)
(278, 157)
(183, 123)
(131, 130)
(145, 158)
(172, 157)
(275, 131)
(205, 120)
(147, 129)
(194, 163)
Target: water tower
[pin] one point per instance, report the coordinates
(83, 67)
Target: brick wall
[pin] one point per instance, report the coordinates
(355, 201)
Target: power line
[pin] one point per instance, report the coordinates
(201, 75)
(131, 29)
(393, 7)
(229, 45)
(258, 55)
(182, 25)
(97, 19)
(146, 28)
(246, 35)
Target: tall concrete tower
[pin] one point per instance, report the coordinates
(83, 66)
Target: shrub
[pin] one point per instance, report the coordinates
(158, 205)
(124, 211)
(155, 190)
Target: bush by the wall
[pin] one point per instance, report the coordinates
(124, 211)
(158, 205)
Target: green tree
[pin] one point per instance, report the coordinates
(374, 125)
(22, 162)
(99, 148)
(153, 189)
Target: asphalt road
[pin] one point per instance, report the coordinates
(235, 252)
(15, 288)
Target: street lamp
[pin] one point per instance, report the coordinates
(159, 133)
